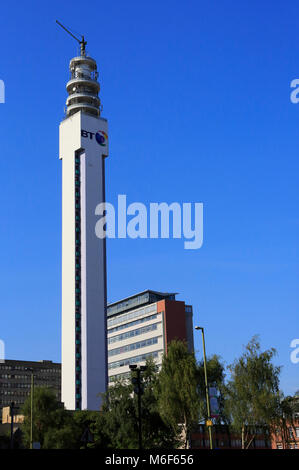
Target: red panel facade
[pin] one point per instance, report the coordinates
(174, 320)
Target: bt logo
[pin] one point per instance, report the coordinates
(101, 136)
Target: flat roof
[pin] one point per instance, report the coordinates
(162, 294)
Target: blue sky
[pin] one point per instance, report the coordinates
(197, 95)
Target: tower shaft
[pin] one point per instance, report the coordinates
(83, 138)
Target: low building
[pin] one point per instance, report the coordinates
(15, 380)
(6, 416)
(287, 436)
(224, 437)
(141, 326)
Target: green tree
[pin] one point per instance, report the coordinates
(118, 414)
(178, 396)
(216, 376)
(46, 414)
(73, 429)
(119, 417)
(57, 428)
(286, 409)
(253, 391)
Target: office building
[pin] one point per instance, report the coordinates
(141, 326)
(15, 380)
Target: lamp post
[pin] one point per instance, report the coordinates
(206, 384)
(138, 390)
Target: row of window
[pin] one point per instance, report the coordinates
(291, 432)
(38, 381)
(130, 315)
(127, 303)
(133, 346)
(226, 443)
(290, 446)
(78, 280)
(133, 360)
(19, 393)
(15, 385)
(8, 402)
(132, 333)
(124, 375)
(133, 323)
(36, 370)
(12, 392)
(9, 376)
(115, 377)
(28, 378)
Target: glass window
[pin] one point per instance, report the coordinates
(133, 360)
(132, 333)
(133, 346)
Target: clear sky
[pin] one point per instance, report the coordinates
(197, 95)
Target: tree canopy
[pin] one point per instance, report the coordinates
(253, 390)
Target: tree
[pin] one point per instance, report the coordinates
(57, 428)
(119, 417)
(216, 376)
(156, 432)
(178, 397)
(253, 391)
(118, 414)
(73, 431)
(47, 414)
(283, 420)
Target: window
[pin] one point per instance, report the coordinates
(133, 360)
(133, 346)
(129, 316)
(130, 334)
(133, 323)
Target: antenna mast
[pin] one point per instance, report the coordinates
(82, 42)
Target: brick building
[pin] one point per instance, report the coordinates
(287, 436)
(224, 438)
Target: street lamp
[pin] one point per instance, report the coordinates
(206, 384)
(138, 390)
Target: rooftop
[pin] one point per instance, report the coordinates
(136, 300)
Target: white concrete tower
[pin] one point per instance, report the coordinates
(83, 139)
